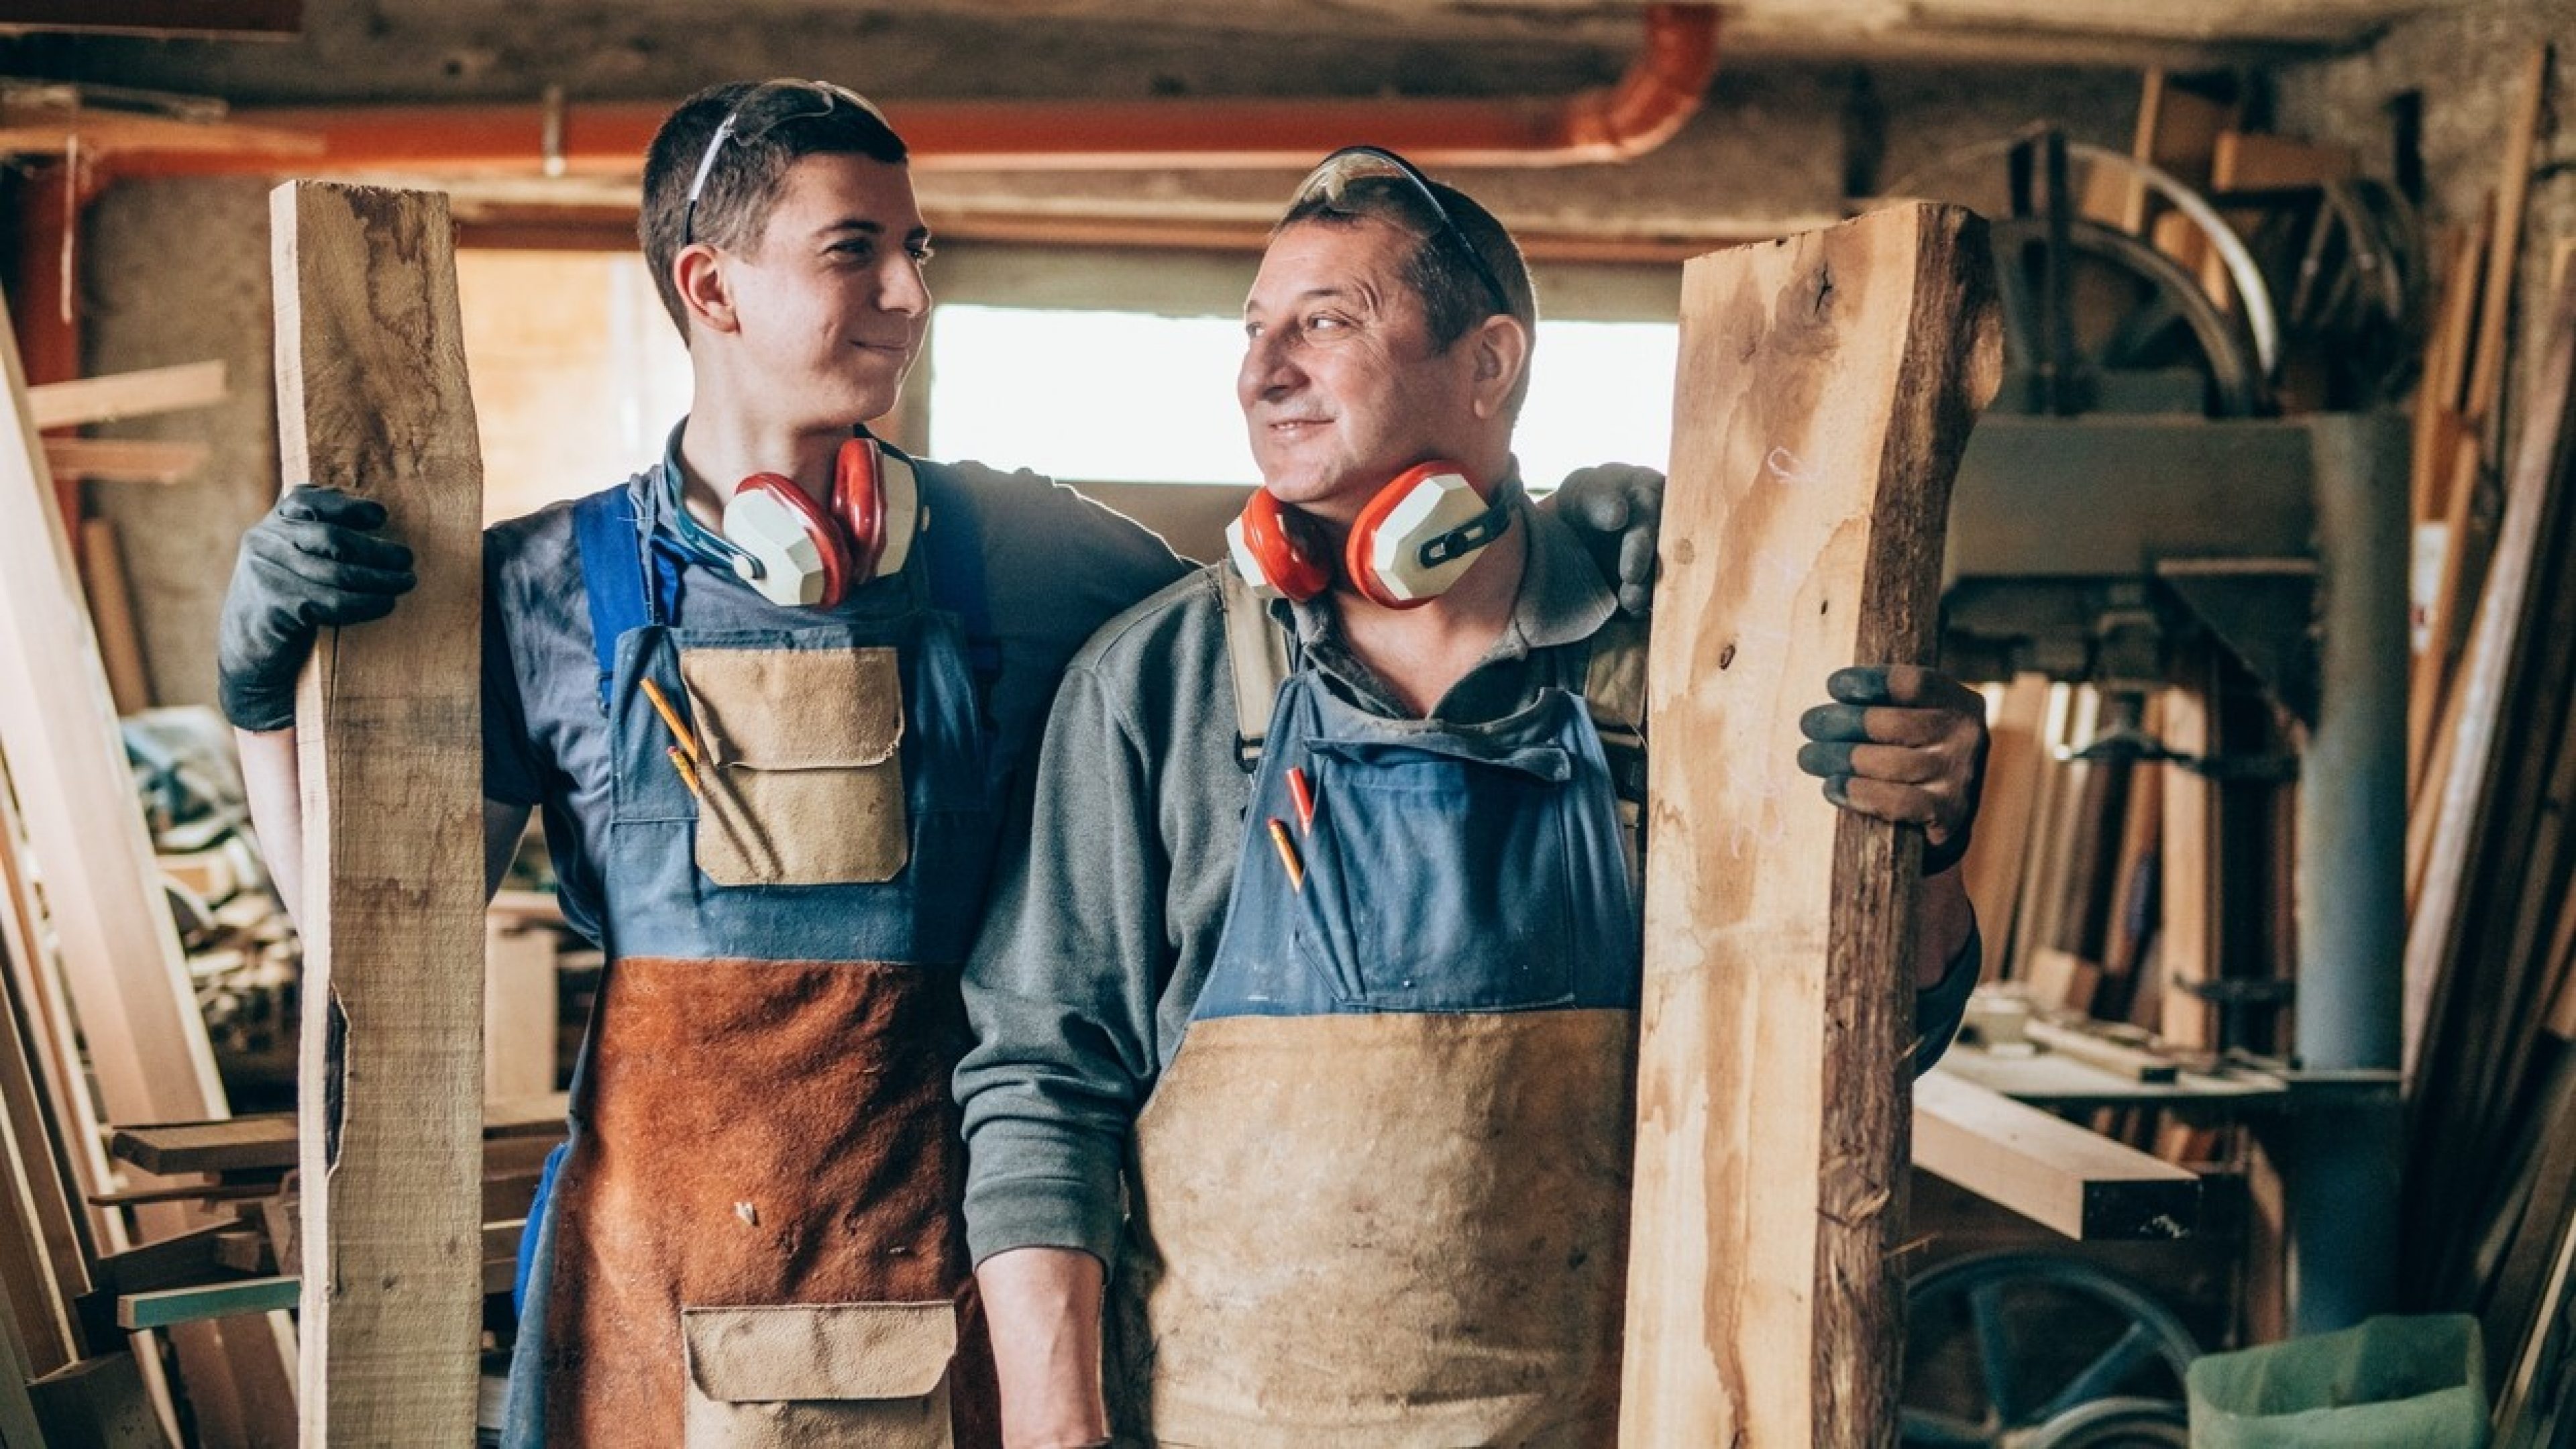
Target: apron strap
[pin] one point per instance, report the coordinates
(1257, 649)
(612, 575)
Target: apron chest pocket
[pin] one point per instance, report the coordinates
(848, 1375)
(801, 774)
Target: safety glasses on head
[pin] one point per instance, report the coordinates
(1332, 178)
(763, 109)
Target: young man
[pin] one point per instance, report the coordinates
(1329, 1050)
(773, 800)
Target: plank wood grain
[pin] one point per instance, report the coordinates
(371, 396)
(1825, 390)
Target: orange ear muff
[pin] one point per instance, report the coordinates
(859, 496)
(801, 551)
(1269, 553)
(1417, 536)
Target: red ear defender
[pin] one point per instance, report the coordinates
(1269, 553)
(859, 496)
(1419, 535)
(803, 556)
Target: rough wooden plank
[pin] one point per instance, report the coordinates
(1826, 386)
(2536, 500)
(125, 460)
(111, 929)
(372, 395)
(2189, 930)
(126, 395)
(167, 1307)
(235, 1144)
(2046, 1168)
(163, 19)
(2513, 198)
(98, 1403)
(1999, 850)
(111, 610)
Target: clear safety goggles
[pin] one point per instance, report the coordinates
(762, 109)
(1332, 179)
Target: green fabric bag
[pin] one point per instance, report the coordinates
(2419, 1383)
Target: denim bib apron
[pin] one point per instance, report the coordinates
(752, 1234)
(1382, 1191)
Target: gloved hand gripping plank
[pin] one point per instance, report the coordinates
(1825, 390)
(371, 398)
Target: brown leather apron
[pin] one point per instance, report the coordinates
(763, 1133)
(754, 1236)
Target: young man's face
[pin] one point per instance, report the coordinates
(830, 299)
(1340, 387)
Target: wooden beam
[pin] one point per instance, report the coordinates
(1825, 390)
(111, 612)
(166, 1307)
(266, 1141)
(2046, 1168)
(129, 986)
(125, 460)
(162, 19)
(126, 395)
(371, 389)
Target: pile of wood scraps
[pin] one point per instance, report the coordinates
(244, 1167)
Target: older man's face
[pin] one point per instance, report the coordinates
(1340, 387)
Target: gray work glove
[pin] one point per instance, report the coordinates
(1614, 508)
(1903, 744)
(308, 564)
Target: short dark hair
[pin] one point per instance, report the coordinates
(742, 185)
(1454, 298)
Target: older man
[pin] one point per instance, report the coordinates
(1315, 1015)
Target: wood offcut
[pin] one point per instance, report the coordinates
(371, 393)
(1826, 386)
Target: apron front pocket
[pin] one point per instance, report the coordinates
(801, 774)
(848, 1375)
(1440, 877)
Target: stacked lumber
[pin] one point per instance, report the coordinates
(2112, 872)
(2491, 943)
(2457, 452)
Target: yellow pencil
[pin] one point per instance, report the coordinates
(688, 772)
(670, 717)
(1288, 855)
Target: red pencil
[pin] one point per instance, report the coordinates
(1303, 795)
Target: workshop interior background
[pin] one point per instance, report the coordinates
(2147, 565)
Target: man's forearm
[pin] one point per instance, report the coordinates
(273, 786)
(1043, 1306)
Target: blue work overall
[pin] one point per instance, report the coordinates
(1382, 1191)
(752, 1235)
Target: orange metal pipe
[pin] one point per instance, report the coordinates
(1658, 93)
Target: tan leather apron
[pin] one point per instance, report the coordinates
(1381, 1194)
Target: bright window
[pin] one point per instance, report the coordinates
(1138, 397)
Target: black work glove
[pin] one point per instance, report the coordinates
(1615, 508)
(1903, 744)
(308, 564)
